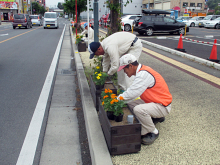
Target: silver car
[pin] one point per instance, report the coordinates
(213, 24)
(36, 20)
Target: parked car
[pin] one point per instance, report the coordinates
(193, 21)
(183, 18)
(127, 21)
(206, 19)
(22, 20)
(50, 20)
(213, 24)
(36, 20)
(156, 21)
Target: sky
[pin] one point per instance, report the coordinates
(52, 3)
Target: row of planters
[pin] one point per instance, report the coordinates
(121, 137)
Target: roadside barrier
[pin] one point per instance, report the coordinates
(180, 44)
(213, 55)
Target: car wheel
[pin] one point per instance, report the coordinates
(181, 30)
(217, 26)
(14, 27)
(26, 27)
(149, 31)
(44, 27)
(127, 28)
(192, 24)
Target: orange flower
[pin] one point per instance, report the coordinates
(106, 90)
(121, 98)
(116, 100)
(109, 90)
(112, 102)
(103, 103)
(105, 96)
(113, 96)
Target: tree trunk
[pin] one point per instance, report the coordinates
(114, 19)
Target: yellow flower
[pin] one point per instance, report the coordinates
(97, 67)
(98, 77)
(96, 72)
(99, 74)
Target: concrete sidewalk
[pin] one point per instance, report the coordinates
(190, 134)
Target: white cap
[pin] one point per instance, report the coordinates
(125, 60)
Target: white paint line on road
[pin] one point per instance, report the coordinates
(29, 147)
(209, 36)
(3, 34)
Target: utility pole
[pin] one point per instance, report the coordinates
(96, 23)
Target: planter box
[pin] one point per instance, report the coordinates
(120, 139)
(82, 46)
(97, 92)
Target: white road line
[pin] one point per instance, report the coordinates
(29, 147)
(3, 34)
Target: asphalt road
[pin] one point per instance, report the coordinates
(25, 58)
(190, 44)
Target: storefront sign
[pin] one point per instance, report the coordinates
(8, 5)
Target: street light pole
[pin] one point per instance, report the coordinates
(96, 23)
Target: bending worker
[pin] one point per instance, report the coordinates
(91, 33)
(155, 97)
(112, 48)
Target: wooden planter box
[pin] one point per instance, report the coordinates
(120, 139)
(96, 93)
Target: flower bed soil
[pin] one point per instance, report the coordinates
(124, 120)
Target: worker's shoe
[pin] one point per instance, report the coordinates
(156, 120)
(149, 138)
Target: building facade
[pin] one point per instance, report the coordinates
(183, 6)
(132, 8)
(8, 8)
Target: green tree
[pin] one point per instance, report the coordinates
(60, 6)
(217, 10)
(212, 3)
(35, 8)
(69, 7)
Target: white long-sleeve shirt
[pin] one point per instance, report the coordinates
(142, 81)
(91, 34)
(114, 47)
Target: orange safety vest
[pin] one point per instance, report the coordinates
(159, 92)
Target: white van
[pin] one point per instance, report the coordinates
(51, 20)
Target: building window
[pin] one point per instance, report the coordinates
(192, 4)
(185, 4)
(199, 5)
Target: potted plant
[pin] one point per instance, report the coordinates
(113, 106)
(99, 78)
(106, 97)
(78, 39)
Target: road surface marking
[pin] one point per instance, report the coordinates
(190, 69)
(18, 35)
(28, 150)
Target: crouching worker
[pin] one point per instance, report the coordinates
(91, 33)
(155, 97)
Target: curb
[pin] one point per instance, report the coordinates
(175, 52)
(97, 145)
